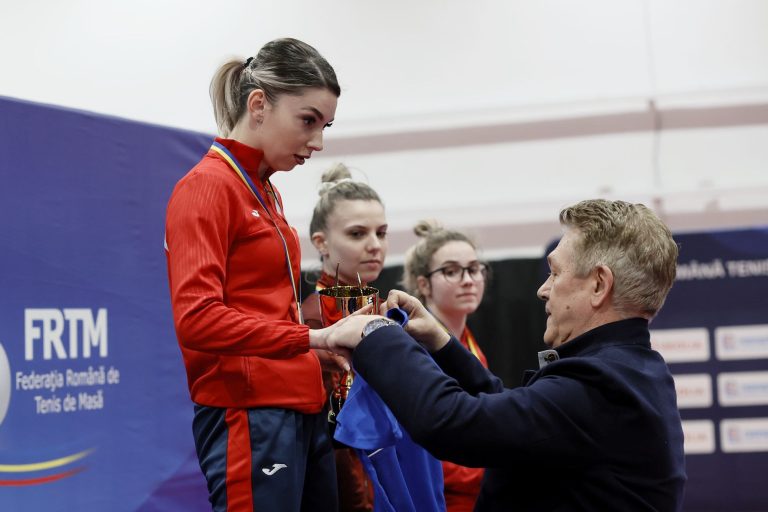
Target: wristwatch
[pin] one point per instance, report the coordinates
(376, 323)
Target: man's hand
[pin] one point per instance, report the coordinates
(421, 324)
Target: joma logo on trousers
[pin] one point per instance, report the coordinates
(275, 469)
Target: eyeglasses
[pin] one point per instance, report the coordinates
(455, 273)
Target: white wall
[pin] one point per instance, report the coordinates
(489, 115)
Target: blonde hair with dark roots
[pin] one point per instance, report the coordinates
(282, 66)
(630, 240)
(337, 185)
(419, 257)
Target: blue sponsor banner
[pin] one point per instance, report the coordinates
(94, 408)
(713, 332)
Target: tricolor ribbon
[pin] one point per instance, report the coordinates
(235, 165)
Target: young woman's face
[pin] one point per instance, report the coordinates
(454, 298)
(291, 129)
(355, 239)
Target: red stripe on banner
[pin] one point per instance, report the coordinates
(39, 480)
(239, 488)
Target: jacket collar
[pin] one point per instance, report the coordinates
(632, 331)
(249, 158)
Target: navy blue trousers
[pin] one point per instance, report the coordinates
(265, 459)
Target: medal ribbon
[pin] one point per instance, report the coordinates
(235, 165)
(471, 343)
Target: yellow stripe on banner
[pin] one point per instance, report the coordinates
(38, 466)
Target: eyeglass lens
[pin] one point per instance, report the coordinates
(455, 273)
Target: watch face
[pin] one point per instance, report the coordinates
(375, 324)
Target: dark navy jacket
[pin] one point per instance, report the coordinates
(596, 430)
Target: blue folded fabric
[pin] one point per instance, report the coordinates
(405, 476)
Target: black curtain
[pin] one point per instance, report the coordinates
(510, 322)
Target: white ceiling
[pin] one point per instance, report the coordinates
(436, 95)
(400, 61)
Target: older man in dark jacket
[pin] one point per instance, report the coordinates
(596, 428)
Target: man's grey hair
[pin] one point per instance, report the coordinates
(633, 242)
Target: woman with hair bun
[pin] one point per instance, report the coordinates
(233, 270)
(349, 230)
(444, 271)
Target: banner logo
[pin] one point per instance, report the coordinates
(46, 327)
(699, 436)
(52, 470)
(693, 390)
(5, 384)
(75, 340)
(742, 388)
(741, 342)
(681, 345)
(744, 435)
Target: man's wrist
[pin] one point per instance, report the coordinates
(439, 339)
(374, 324)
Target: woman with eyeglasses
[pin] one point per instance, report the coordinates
(444, 271)
(349, 231)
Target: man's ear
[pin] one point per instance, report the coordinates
(319, 241)
(422, 283)
(602, 286)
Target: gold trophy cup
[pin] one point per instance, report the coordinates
(337, 302)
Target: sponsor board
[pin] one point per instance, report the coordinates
(699, 436)
(681, 345)
(741, 342)
(693, 390)
(744, 435)
(742, 388)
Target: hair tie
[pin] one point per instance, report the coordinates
(328, 185)
(248, 62)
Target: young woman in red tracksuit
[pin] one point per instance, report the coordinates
(234, 267)
(349, 229)
(443, 270)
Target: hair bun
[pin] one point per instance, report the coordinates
(426, 227)
(338, 173)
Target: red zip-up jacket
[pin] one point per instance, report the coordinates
(233, 304)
